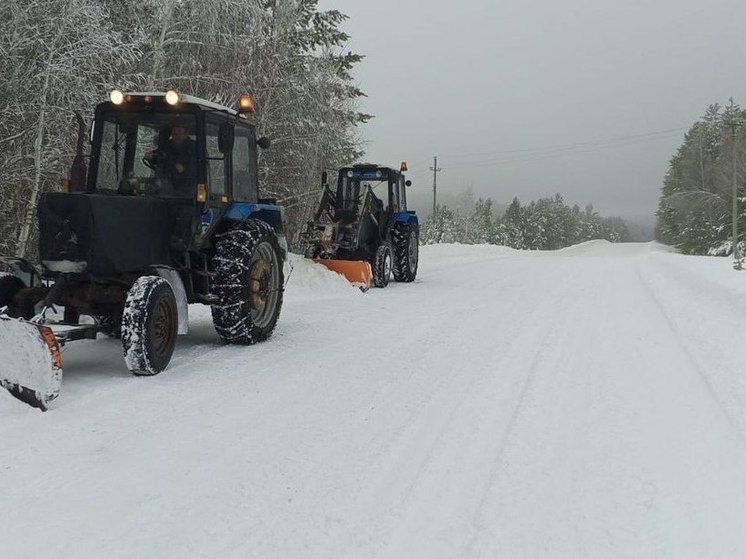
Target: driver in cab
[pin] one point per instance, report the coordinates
(175, 160)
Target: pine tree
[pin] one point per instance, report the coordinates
(513, 225)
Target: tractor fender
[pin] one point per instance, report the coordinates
(182, 302)
(408, 217)
(271, 214)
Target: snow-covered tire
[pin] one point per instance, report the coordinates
(10, 285)
(149, 326)
(382, 265)
(406, 252)
(248, 280)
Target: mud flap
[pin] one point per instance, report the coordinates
(30, 361)
(357, 272)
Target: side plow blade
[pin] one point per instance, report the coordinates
(30, 361)
(357, 272)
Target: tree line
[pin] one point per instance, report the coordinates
(544, 224)
(61, 56)
(695, 206)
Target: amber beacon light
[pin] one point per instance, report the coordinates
(245, 104)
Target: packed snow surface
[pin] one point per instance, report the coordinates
(589, 402)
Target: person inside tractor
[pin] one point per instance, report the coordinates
(175, 159)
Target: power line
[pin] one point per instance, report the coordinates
(552, 147)
(569, 150)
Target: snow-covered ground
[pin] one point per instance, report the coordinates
(589, 402)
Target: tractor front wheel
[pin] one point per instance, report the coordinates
(382, 265)
(149, 325)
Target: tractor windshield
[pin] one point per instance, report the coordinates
(351, 191)
(148, 153)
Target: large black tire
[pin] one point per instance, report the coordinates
(382, 265)
(10, 285)
(249, 282)
(149, 326)
(406, 252)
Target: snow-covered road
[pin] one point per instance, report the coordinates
(589, 402)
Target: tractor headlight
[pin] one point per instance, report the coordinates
(172, 98)
(116, 97)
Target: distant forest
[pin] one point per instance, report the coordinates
(544, 224)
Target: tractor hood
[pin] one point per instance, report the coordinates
(102, 234)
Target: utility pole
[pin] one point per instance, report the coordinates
(734, 124)
(435, 169)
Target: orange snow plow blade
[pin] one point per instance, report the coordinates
(31, 361)
(357, 272)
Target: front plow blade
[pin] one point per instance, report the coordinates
(30, 362)
(357, 272)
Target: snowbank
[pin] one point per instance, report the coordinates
(305, 279)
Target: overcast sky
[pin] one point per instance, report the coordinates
(528, 98)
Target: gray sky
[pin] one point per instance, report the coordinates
(531, 97)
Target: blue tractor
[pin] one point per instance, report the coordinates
(166, 214)
(363, 229)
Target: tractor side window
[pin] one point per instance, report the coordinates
(215, 161)
(402, 194)
(244, 166)
(394, 196)
(111, 159)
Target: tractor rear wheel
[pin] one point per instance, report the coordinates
(406, 252)
(382, 265)
(249, 283)
(149, 325)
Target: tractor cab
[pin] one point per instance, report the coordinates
(382, 188)
(176, 148)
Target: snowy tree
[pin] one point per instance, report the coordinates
(440, 227)
(512, 225)
(483, 229)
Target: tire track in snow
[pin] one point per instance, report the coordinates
(380, 446)
(411, 476)
(557, 335)
(692, 359)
